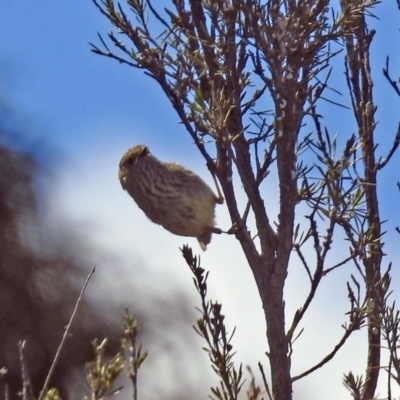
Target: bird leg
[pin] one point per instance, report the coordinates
(219, 198)
(218, 231)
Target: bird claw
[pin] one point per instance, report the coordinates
(233, 229)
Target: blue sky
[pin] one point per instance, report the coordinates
(87, 110)
(54, 78)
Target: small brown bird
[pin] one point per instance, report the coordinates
(170, 195)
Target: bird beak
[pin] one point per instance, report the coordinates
(122, 179)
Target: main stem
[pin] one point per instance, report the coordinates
(274, 309)
(270, 287)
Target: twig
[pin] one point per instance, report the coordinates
(396, 143)
(27, 393)
(64, 338)
(339, 264)
(264, 380)
(303, 261)
(386, 74)
(353, 326)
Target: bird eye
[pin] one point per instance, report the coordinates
(129, 161)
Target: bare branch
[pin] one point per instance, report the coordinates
(354, 325)
(396, 142)
(386, 74)
(65, 335)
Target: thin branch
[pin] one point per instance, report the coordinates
(339, 264)
(64, 338)
(355, 325)
(110, 54)
(265, 380)
(382, 164)
(386, 74)
(314, 282)
(304, 261)
(256, 95)
(27, 392)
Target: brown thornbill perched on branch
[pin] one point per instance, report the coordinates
(170, 195)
